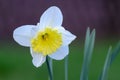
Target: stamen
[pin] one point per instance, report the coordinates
(45, 36)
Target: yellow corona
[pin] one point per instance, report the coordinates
(47, 41)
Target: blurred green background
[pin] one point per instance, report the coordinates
(16, 62)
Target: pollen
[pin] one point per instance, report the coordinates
(47, 41)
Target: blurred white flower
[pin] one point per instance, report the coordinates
(47, 38)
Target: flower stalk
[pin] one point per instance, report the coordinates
(66, 68)
(49, 69)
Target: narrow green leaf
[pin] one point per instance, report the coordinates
(91, 44)
(87, 39)
(106, 65)
(115, 52)
(88, 49)
(113, 55)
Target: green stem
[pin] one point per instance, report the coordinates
(66, 68)
(49, 69)
(51, 65)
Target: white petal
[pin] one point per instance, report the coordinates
(61, 53)
(22, 35)
(34, 31)
(38, 59)
(67, 36)
(51, 17)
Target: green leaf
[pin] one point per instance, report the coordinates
(109, 60)
(87, 39)
(88, 49)
(91, 44)
(115, 52)
(106, 65)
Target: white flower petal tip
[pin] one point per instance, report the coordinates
(51, 17)
(22, 35)
(38, 60)
(61, 53)
(72, 36)
(68, 37)
(36, 64)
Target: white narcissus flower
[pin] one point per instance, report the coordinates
(47, 38)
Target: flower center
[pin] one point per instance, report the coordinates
(47, 41)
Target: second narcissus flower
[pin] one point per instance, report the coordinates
(47, 38)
